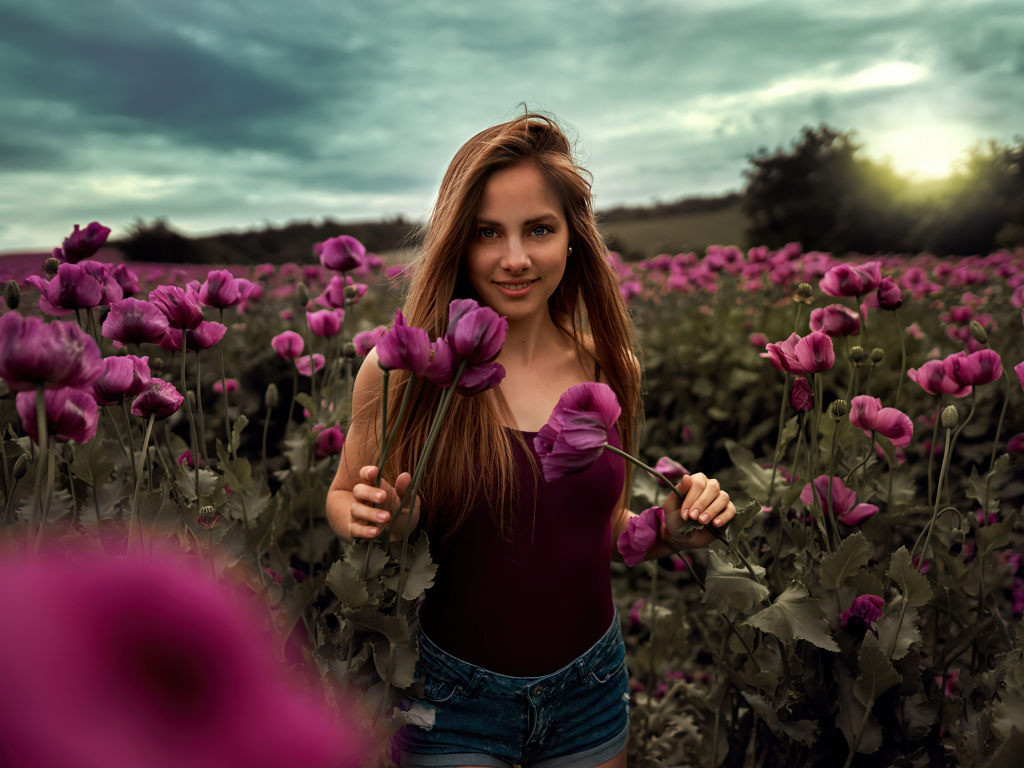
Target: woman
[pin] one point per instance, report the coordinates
(520, 645)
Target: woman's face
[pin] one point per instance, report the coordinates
(517, 258)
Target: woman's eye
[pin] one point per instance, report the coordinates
(484, 231)
(540, 226)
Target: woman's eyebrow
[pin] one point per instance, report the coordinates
(534, 220)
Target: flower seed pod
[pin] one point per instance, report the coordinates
(351, 292)
(208, 518)
(838, 409)
(12, 294)
(950, 417)
(956, 542)
(803, 293)
(877, 355)
(50, 266)
(349, 350)
(270, 398)
(20, 467)
(302, 294)
(858, 355)
(978, 332)
(157, 364)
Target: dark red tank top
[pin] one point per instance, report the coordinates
(523, 609)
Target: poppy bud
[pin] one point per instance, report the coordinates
(302, 294)
(803, 294)
(877, 355)
(838, 409)
(208, 518)
(858, 355)
(956, 542)
(157, 365)
(50, 267)
(20, 467)
(950, 417)
(351, 292)
(977, 331)
(12, 294)
(349, 350)
(270, 398)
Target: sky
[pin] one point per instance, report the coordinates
(231, 115)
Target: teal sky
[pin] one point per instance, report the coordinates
(228, 115)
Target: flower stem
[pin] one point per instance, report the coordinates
(202, 421)
(51, 456)
(138, 489)
(191, 419)
(295, 391)
(956, 434)
(41, 460)
(935, 511)
(71, 486)
(903, 349)
(131, 439)
(995, 445)
(266, 428)
(778, 441)
(831, 470)
(224, 394)
(931, 448)
(313, 394)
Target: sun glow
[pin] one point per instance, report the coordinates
(924, 152)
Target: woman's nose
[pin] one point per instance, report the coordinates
(515, 259)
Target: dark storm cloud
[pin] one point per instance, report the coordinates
(223, 114)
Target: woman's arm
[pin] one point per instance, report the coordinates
(352, 494)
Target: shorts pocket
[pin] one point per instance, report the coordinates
(608, 666)
(438, 690)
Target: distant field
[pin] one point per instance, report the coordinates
(643, 238)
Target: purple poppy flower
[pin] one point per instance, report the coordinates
(326, 322)
(185, 460)
(125, 278)
(801, 397)
(782, 355)
(864, 610)
(367, 340)
(340, 253)
(82, 243)
(479, 378)
(868, 414)
(159, 651)
(852, 280)
(222, 289)
(71, 414)
(123, 377)
(55, 355)
(844, 501)
(672, 470)
(303, 366)
(160, 399)
(441, 368)
(475, 333)
(975, 369)
(814, 352)
(634, 610)
(889, 294)
(73, 287)
(641, 533)
(935, 378)
(232, 385)
(205, 335)
(288, 344)
(333, 296)
(329, 442)
(131, 321)
(835, 320)
(1019, 370)
(404, 347)
(577, 430)
(110, 289)
(181, 307)
(1016, 443)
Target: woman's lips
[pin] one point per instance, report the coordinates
(519, 291)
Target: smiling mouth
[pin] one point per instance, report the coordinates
(516, 286)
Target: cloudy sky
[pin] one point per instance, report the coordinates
(224, 114)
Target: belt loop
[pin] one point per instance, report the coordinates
(581, 668)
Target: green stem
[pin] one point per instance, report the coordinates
(266, 428)
(778, 441)
(202, 421)
(857, 735)
(313, 394)
(995, 446)
(188, 407)
(831, 469)
(71, 485)
(935, 511)
(903, 349)
(853, 369)
(10, 496)
(51, 456)
(41, 460)
(138, 489)
(956, 434)
(224, 393)
(931, 449)
(295, 391)
(131, 439)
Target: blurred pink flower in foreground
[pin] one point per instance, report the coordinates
(164, 671)
(641, 532)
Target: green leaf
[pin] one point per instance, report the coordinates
(344, 581)
(914, 586)
(851, 715)
(237, 472)
(876, 673)
(992, 537)
(889, 449)
(306, 402)
(403, 665)
(730, 588)
(753, 478)
(742, 521)
(795, 616)
(356, 556)
(908, 632)
(976, 490)
(91, 462)
(419, 574)
(851, 556)
(236, 433)
(211, 486)
(394, 628)
(792, 494)
(804, 731)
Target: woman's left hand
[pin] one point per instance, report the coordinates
(705, 502)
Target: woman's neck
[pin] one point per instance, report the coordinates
(532, 337)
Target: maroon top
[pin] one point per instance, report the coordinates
(528, 610)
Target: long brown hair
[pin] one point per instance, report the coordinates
(473, 454)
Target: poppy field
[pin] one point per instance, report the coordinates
(865, 415)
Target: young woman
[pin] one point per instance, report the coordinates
(520, 645)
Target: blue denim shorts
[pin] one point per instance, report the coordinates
(577, 717)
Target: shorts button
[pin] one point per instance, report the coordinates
(460, 687)
(538, 691)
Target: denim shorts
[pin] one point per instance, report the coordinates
(577, 717)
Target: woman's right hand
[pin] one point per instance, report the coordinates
(365, 518)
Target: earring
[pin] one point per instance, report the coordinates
(570, 250)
